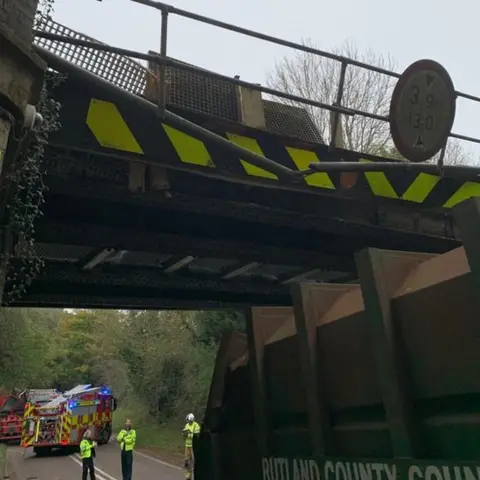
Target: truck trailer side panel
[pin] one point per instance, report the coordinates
(367, 381)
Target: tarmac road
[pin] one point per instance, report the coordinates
(63, 465)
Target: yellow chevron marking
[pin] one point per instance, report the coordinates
(379, 183)
(466, 191)
(189, 149)
(109, 128)
(303, 159)
(252, 145)
(421, 187)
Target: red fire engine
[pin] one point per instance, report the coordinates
(62, 421)
(12, 408)
(11, 413)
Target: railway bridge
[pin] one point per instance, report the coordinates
(166, 208)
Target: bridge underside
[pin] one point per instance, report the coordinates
(208, 243)
(130, 230)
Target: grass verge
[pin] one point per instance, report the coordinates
(3, 460)
(163, 440)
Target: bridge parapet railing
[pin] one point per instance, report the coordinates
(186, 86)
(137, 79)
(336, 107)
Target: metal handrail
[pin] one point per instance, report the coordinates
(171, 62)
(166, 9)
(162, 60)
(163, 7)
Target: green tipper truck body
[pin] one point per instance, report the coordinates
(377, 380)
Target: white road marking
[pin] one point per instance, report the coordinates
(15, 450)
(161, 462)
(99, 473)
(107, 476)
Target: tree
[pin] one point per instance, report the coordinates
(159, 364)
(311, 76)
(211, 325)
(26, 349)
(317, 78)
(455, 154)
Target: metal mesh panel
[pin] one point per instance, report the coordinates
(119, 70)
(191, 90)
(201, 93)
(290, 121)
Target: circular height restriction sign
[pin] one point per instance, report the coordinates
(422, 110)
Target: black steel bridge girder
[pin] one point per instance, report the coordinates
(103, 236)
(397, 229)
(193, 193)
(65, 285)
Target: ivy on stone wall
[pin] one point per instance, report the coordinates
(27, 194)
(27, 189)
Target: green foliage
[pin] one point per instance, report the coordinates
(164, 435)
(25, 188)
(25, 343)
(26, 194)
(389, 152)
(159, 364)
(212, 325)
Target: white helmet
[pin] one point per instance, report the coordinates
(190, 417)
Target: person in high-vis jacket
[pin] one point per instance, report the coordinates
(87, 453)
(127, 438)
(191, 431)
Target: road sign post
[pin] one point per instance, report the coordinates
(422, 110)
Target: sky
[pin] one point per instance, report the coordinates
(408, 31)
